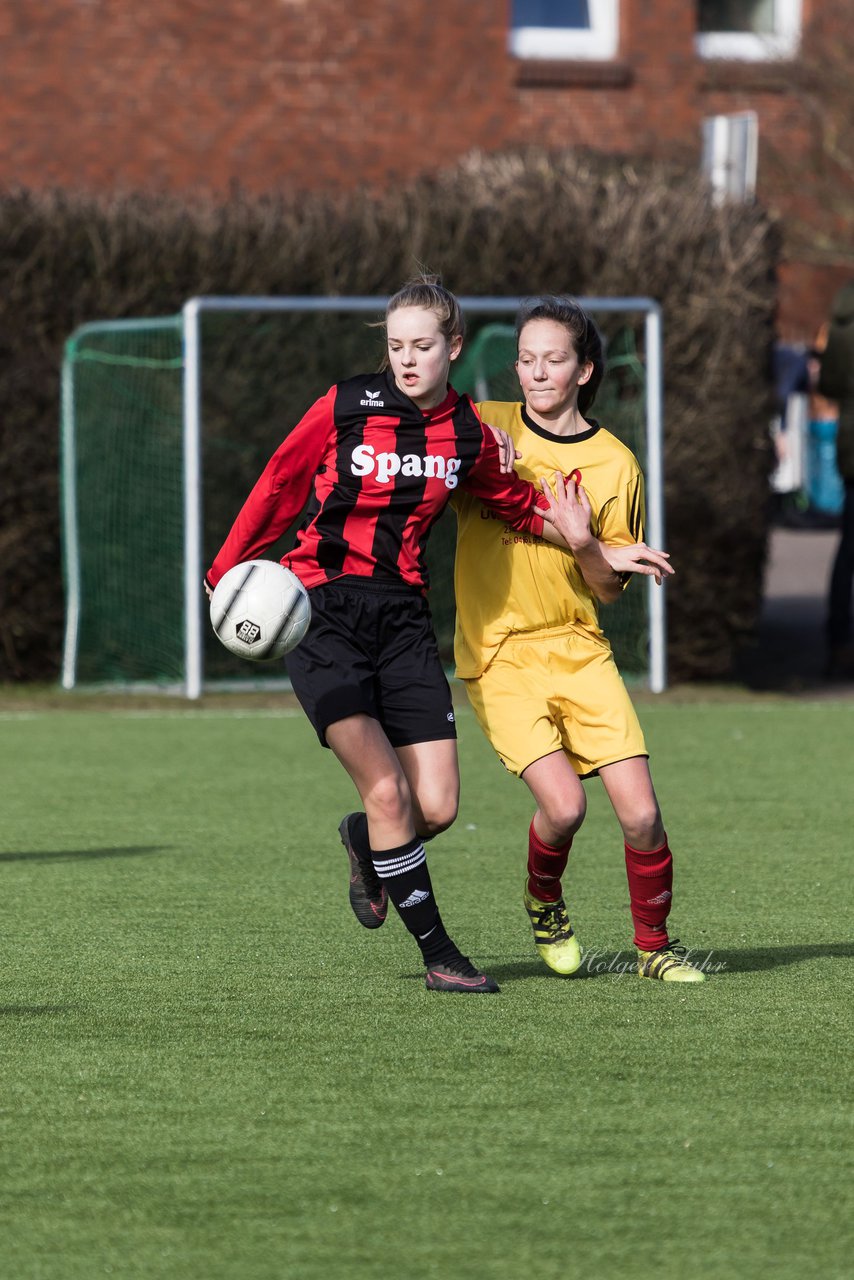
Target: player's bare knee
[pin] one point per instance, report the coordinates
(644, 828)
(388, 800)
(571, 824)
(437, 817)
(564, 815)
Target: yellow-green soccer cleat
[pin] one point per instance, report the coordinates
(669, 964)
(553, 934)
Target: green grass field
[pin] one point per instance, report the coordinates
(209, 1070)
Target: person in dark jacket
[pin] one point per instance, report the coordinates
(836, 381)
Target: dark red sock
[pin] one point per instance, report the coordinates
(650, 875)
(546, 865)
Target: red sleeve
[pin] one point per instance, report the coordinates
(281, 491)
(511, 498)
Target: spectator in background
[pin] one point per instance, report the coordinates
(836, 382)
(791, 375)
(791, 384)
(825, 490)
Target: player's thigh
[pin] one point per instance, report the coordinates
(412, 691)
(510, 700)
(432, 771)
(361, 745)
(332, 671)
(598, 722)
(557, 789)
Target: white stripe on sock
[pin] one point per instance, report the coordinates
(387, 868)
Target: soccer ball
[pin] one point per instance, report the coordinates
(260, 610)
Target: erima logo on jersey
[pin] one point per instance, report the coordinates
(365, 462)
(373, 401)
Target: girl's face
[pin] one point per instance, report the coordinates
(548, 367)
(420, 355)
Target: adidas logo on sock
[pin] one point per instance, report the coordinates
(419, 895)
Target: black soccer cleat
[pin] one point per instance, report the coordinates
(368, 895)
(458, 975)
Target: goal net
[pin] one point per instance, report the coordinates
(123, 503)
(166, 425)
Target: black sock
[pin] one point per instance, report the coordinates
(359, 835)
(404, 873)
(362, 840)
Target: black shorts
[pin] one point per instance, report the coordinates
(371, 650)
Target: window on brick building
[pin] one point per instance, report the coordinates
(748, 29)
(565, 29)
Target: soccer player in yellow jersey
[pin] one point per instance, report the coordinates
(538, 670)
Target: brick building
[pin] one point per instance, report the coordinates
(328, 94)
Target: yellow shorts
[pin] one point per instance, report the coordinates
(556, 690)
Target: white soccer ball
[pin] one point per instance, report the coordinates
(260, 610)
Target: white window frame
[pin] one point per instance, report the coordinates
(600, 43)
(749, 47)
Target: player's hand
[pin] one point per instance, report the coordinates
(507, 451)
(639, 558)
(208, 590)
(569, 510)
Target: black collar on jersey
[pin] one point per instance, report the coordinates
(407, 408)
(555, 439)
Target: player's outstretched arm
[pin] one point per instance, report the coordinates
(638, 558)
(602, 565)
(568, 524)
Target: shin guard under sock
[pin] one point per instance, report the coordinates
(404, 873)
(650, 876)
(546, 865)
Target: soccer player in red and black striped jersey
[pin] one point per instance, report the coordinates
(379, 457)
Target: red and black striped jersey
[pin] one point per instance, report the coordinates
(382, 471)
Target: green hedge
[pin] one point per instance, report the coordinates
(517, 223)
